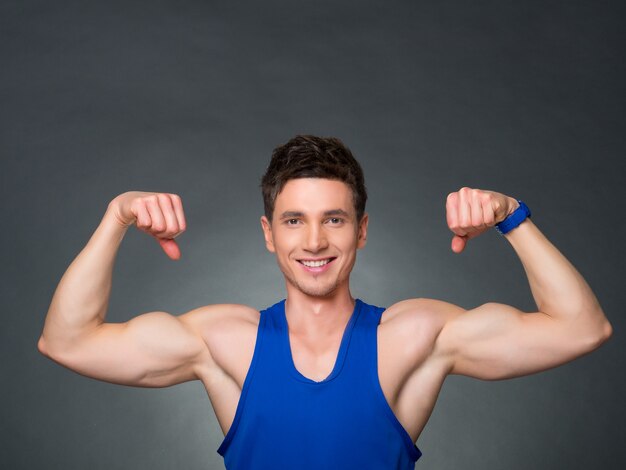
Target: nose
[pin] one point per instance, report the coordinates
(315, 239)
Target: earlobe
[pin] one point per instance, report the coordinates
(267, 234)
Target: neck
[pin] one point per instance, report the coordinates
(311, 315)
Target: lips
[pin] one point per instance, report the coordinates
(316, 265)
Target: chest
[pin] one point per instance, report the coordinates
(314, 358)
(329, 397)
(398, 354)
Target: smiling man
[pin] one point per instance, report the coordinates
(321, 380)
(315, 246)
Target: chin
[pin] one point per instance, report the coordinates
(320, 292)
(315, 290)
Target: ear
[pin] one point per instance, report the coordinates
(362, 236)
(267, 233)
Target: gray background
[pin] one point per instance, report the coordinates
(190, 97)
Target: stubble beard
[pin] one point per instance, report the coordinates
(321, 290)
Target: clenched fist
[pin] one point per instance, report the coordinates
(158, 214)
(470, 212)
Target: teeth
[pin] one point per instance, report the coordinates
(315, 264)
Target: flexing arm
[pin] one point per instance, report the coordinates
(496, 341)
(154, 349)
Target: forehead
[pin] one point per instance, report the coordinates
(314, 195)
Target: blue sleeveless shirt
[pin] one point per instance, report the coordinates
(285, 420)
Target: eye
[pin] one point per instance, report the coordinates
(291, 221)
(335, 220)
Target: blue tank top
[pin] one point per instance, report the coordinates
(286, 421)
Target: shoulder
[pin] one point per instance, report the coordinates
(228, 333)
(418, 322)
(421, 311)
(220, 319)
(409, 334)
(219, 324)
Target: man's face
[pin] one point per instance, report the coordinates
(315, 235)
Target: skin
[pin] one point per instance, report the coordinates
(420, 341)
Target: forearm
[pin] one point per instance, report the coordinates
(557, 287)
(81, 299)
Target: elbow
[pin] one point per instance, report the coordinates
(607, 332)
(41, 346)
(47, 349)
(601, 336)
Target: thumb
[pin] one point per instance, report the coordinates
(458, 243)
(170, 247)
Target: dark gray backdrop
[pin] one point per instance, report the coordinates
(190, 97)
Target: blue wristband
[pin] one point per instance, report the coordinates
(518, 216)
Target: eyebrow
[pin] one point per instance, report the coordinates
(292, 214)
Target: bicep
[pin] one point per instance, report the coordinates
(497, 341)
(155, 349)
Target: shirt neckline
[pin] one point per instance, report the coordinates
(341, 354)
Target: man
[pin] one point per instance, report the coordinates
(321, 380)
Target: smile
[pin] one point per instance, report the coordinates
(316, 264)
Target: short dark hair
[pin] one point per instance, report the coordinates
(308, 156)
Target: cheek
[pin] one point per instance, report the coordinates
(284, 243)
(350, 243)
